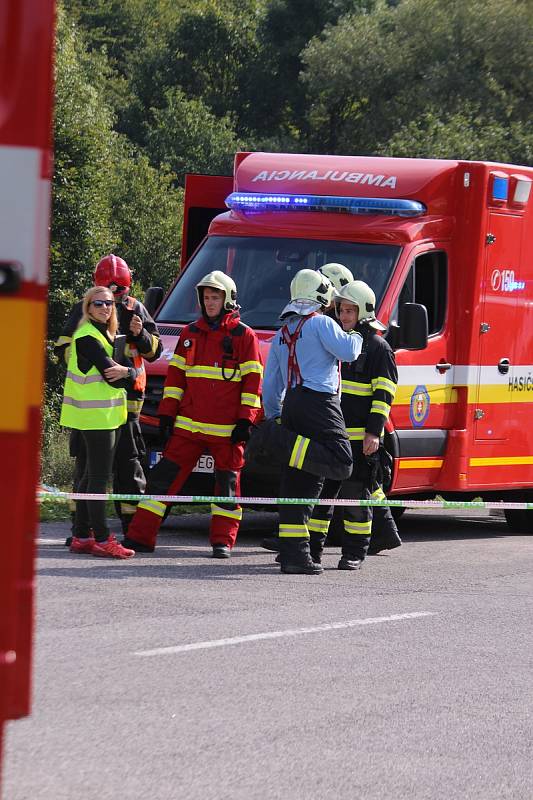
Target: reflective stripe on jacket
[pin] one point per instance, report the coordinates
(89, 402)
(214, 378)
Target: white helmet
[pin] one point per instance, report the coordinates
(361, 295)
(219, 280)
(308, 284)
(338, 274)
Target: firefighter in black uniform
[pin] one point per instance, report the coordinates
(385, 534)
(141, 343)
(368, 389)
(303, 363)
(384, 529)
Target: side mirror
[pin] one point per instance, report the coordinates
(413, 332)
(153, 299)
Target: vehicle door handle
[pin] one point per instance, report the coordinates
(503, 366)
(443, 366)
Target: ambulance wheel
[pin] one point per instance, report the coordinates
(397, 512)
(519, 520)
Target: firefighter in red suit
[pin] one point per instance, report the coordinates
(210, 400)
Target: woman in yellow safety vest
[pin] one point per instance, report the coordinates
(94, 402)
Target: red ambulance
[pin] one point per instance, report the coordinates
(446, 246)
(26, 46)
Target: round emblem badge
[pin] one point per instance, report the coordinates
(419, 409)
(187, 343)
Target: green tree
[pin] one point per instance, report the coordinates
(277, 100)
(84, 144)
(370, 76)
(105, 195)
(467, 134)
(190, 138)
(148, 214)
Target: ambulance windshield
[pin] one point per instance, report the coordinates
(263, 269)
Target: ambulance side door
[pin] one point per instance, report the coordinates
(424, 410)
(497, 331)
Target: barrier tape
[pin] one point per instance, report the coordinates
(53, 494)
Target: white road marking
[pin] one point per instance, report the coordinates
(254, 637)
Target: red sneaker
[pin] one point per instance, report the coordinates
(79, 545)
(111, 549)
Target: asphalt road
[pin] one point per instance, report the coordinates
(154, 678)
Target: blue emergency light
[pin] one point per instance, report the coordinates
(249, 201)
(500, 188)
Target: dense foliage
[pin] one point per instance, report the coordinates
(148, 90)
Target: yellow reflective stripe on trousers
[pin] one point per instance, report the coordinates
(213, 373)
(298, 452)
(177, 361)
(248, 399)
(379, 407)
(384, 384)
(359, 528)
(127, 508)
(287, 531)
(174, 392)
(251, 366)
(318, 525)
(154, 506)
(134, 406)
(208, 428)
(359, 389)
(225, 512)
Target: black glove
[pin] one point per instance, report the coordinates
(241, 431)
(166, 428)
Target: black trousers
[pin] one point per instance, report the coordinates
(317, 416)
(357, 529)
(99, 449)
(128, 472)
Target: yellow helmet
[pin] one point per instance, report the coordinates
(361, 295)
(219, 280)
(308, 284)
(338, 274)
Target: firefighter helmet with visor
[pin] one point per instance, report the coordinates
(308, 284)
(113, 273)
(219, 280)
(338, 274)
(361, 295)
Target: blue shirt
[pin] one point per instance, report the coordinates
(320, 347)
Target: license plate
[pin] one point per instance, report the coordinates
(206, 463)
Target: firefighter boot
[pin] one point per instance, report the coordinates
(353, 553)
(316, 545)
(295, 557)
(385, 534)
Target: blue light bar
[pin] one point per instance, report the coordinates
(500, 188)
(248, 201)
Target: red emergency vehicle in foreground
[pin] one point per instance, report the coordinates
(26, 46)
(446, 246)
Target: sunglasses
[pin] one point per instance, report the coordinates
(101, 303)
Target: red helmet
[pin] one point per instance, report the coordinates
(113, 272)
